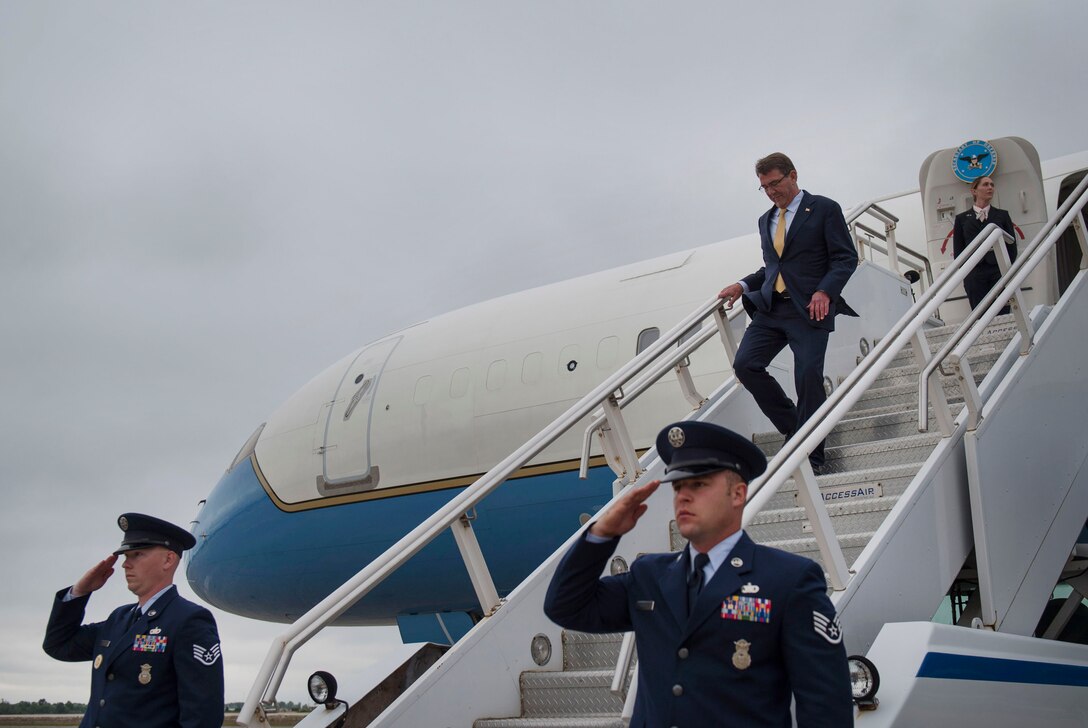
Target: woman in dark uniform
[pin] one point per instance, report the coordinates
(968, 224)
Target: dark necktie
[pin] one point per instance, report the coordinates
(695, 580)
(132, 617)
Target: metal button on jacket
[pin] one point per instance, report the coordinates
(682, 653)
(677, 690)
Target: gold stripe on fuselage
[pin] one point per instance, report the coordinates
(413, 488)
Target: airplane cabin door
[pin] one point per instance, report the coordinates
(347, 466)
(1018, 183)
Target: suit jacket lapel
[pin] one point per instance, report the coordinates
(674, 586)
(121, 636)
(800, 218)
(765, 229)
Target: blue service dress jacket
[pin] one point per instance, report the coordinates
(818, 256)
(762, 630)
(164, 670)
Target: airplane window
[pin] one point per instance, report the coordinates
(647, 337)
(459, 382)
(496, 375)
(531, 366)
(569, 358)
(606, 352)
(423, 389)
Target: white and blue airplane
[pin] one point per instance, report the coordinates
(381, 439)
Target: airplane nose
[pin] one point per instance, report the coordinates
(221, 517)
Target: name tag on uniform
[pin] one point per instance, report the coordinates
(149, 643)
(747, 609)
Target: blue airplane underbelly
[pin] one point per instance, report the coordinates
(258, 561)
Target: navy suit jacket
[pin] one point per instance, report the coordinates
(165, 671)
(966, 227)
(702, 656)
(818, 256)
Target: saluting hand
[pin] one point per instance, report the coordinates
(624, 513)
(95, 577)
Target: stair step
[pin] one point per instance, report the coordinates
(888, 481)
(599, 721)
(999, 333)
(862, 515)
(905, 396)
(981, 363)
(567, 694)
(882, 453)
(856, 430)
(583, 651)
(867, 409)
(852, 546)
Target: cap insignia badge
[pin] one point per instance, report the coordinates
(123, 523)
(676, 437)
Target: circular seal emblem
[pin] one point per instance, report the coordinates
(974, 159)
(676, 437)
(98, 662)
(123, 523)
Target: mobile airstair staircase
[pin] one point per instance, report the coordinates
(942, 439)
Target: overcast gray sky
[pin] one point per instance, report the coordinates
(204, 204)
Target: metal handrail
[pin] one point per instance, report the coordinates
(1006, 287)
(906, 251)
(661, 367)
(890, 222)
(876, 211)
(279, 654)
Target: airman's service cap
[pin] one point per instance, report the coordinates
(692, 449)
(143, 531)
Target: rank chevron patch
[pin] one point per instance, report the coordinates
(206, 656)
(829, 629)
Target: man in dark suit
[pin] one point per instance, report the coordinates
(969, 224)
(726, 630)
(156, 663)
(793, 299)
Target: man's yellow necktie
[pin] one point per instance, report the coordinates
(779, 245)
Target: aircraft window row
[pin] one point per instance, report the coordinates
(532, 367)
